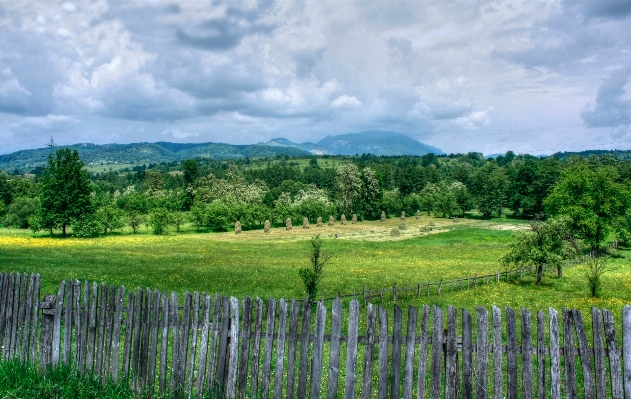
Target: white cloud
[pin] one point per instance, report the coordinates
(476, 119)
(47, 124)
(345, 102)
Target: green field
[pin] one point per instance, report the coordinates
(266, 265)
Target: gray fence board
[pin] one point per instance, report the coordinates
(203, 346)
(371, 321)
(57, 324)
(451, 351)
(291, 348)
(626, 348)
(526, 354)
(318, 346)
(382, 388)
(267, 351)
(568, 354)
(467, 356)
(256, 347)
(116, 336)
(231, 380)
(585, 353)
(351, 349)
(482, 346)
(614, 355)
(555, 357)
(497, 353)
(397, 341)
(511, 353)
(541, 355)
(334, 349)
(244, 355)
(437, 355)
(280, 349)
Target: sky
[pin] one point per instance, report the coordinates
(489, 76)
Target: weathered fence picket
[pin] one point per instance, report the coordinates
(246, 348)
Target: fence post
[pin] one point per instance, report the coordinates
(440, 286)
(497, 276)
(626, 347)
(46, 338)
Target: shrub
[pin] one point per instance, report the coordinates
(160, 219)
(86, 227)
(595, 268)
(312, 275)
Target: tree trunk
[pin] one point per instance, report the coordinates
(539, 273)
(559, 271)
(64, 229)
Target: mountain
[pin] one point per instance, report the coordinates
(377, 143)
(309, 147)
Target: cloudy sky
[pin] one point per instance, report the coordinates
(489, 76)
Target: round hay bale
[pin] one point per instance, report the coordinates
(354, 219)
(383, 216)
(267, 226)
(288, 225)
(343, 219)
(418, 215)
(403, 215)
(237, 227)
(305, 223)
(331, 221)
(319, 222)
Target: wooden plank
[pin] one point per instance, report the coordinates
(153, 344)
(482, 346)
(184, 335)
(626, 350)
(3, 303)
(164, 343)
(94, 297)
(541, 355)
(511, 353)
(410, 341)
(57, 324)
(294, 314)
(267, 351)
(334, 351)
(18, 338)
(422, 354)
(318, 346)
(369, 350)
(280, 350)
(175, 349)
(497, 353)
(109, 330)
(584, 352)
(351, 349)
(78, 346)
(190, 364)
(382, 387)
(437, 355)
(116, 334)
(397, 341)
(203, 346)
(145, 339)
(568, 353)
(555, 371)
(35, 319)
(8, 319)
(85, 310)
(100, 338)
(526, 354)
(451, 376)
(304, 350)
(129, 328)
(222, 365)
(15, 314)
(231, 380)
(212, 354)
(614, 355)
(46, 337)
(467, 356)
(26, 329)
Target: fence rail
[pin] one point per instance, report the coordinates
(296, 349)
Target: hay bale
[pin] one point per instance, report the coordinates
(354, 219)
(237, 227)
(305, 223)
(456, 220)
(319, 222)
(418, 215)
(431, 224)
(383, 216)
(426, 229)
(288, 225)
(267, 226)
(343, 219)
(402, 226)
(403, 215)
(331, 221)
(395, 232)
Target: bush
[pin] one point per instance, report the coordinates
(160, 220)
(595, 268)
(20, 210)
(312, 275)
(86, 227)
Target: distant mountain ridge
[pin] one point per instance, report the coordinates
(374, 142)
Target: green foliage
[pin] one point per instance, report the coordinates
(311, 276)
(20, 210)
(86, 226)
(595, 268)
(109, 217)
(349, 187)
(160, 219)
(491, 184)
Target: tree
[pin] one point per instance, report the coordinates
(592, 198)
(20, 210)
(462, 196)
(490, 188)
(109, 217)
(160, 219)
(371, 195)
(349, 187)
(311, 276)
(547, 243)
(65, 190)
(595, 268)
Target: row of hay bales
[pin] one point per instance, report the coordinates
(305, 222)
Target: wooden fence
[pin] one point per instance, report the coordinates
(187, 346)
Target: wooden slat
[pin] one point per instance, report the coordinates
(57, 324)
(26, 329)
(85, 311)
(153, 344)
(129, 328)
(351, 349)
(541, 355)
(100, 339)
(555, 362)
(17, 338)
(78, 346)
(422, 354)
(144, 341)
(600, 369)
(467, 356)
(482, 346)
(8, 321)
(244, 352)
(116, 334)
(410, 341)
(397, 341)
(568, 353)
(267, 351)
(437, 355)
(175, 348)
(256, 348)
(497, 353)
(192, 352)
(212, 353)
(304, 350)
(15, 314)
(109, 329)
(526, 354)
(92, 317)
(584, 352)
(318, 346)
(451, 376)
(334, 351)
(35, 319)
(3, 304)
(164, 343)
(294, 314)
(184, 336)
(222, 365)
(369, 350)
(280, 350)
(382, 387)
(614, 355)
(231, 379)
(203, 346)
(511, 353)
(626, 350)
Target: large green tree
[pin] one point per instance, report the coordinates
(65, 190)
(592, 197)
